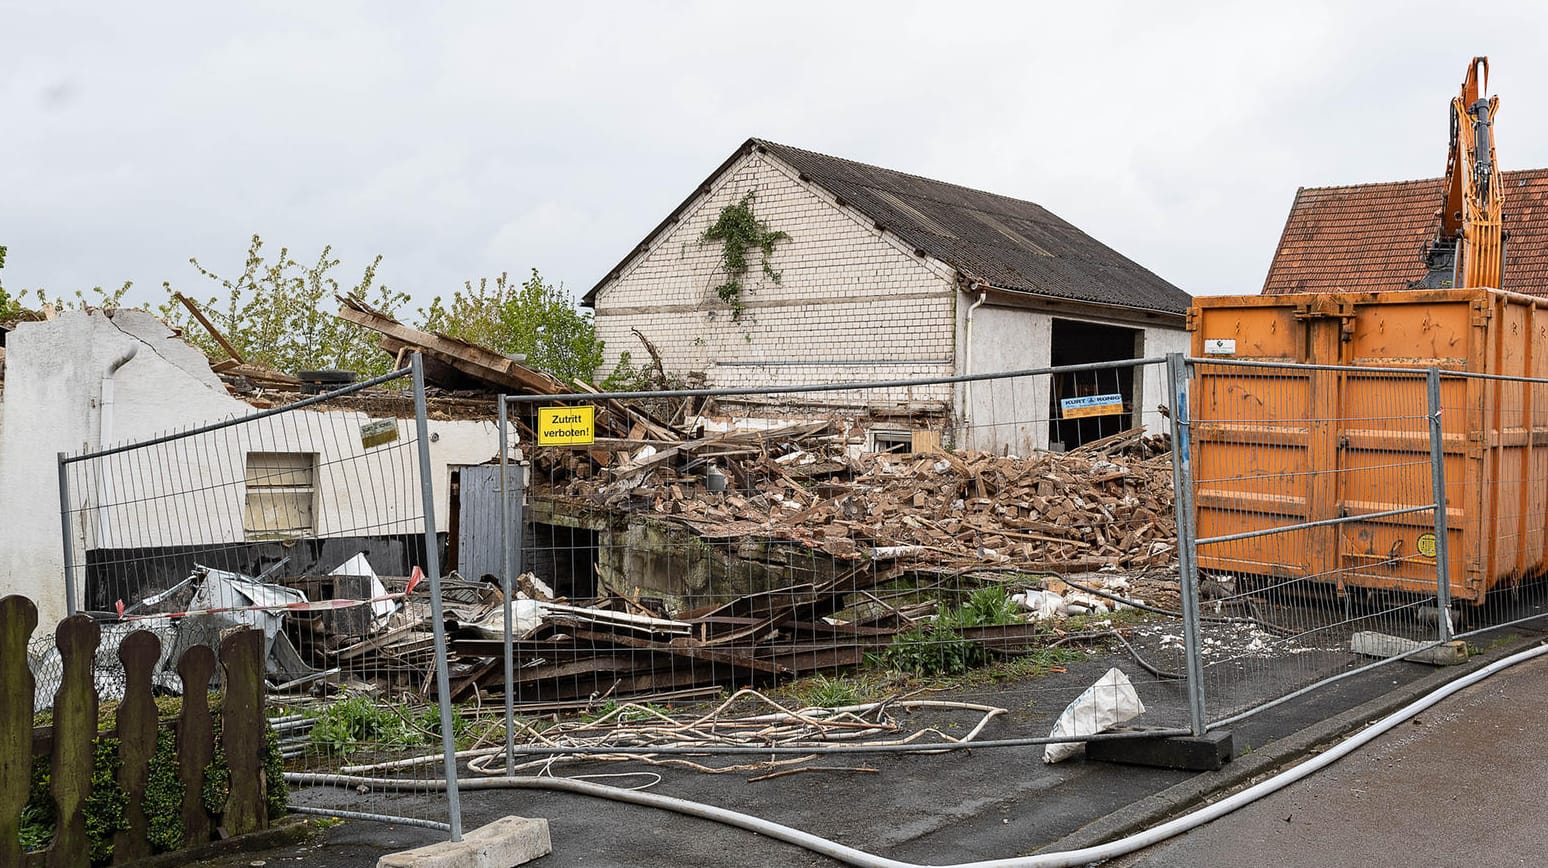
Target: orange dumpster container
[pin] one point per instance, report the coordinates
(1274, 447)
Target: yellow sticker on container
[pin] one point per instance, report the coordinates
(566, 426)
(1427, 544)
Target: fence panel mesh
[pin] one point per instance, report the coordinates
(1315, 524)
(1497, 486)
(307, 522)
(732, 571)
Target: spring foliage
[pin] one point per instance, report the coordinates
(279, 312)
(738, 230)
(533, 318)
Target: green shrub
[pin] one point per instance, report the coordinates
(938, 648)
(933, 649)
(353, 723)
(989, 606)
(164, 795)
(104, 807)
(37, 819)
(217, 781)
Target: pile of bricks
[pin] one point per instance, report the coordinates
(1105, 505)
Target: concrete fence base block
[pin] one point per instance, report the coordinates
(1188, 753)
(1373, 644)
(507, 842)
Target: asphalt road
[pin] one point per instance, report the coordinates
(1461, 785)
(1468, 764)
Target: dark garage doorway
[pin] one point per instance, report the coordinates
(1079, 343)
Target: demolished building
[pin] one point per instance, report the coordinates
(87, 379)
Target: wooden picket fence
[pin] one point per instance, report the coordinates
(69, 742)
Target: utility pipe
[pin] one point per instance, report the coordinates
(852, 856)
(967, 359)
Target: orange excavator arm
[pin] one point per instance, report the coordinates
(1468, 249)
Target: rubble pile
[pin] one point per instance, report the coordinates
(1106, 504)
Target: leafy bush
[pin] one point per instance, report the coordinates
(933, 649)
(37, 819)
(534, 317)
(276, 793)
(105, 807)
(280, 313)
(938, 648)
(164, 795)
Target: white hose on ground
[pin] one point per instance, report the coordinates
(1067, 859)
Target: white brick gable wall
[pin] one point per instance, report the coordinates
(853, 303)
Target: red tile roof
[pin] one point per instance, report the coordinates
(1371, 237)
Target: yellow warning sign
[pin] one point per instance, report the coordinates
(566, 426)
(1427, 545)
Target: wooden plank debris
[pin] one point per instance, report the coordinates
(472, 360)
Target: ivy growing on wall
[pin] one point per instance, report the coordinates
(738, 231)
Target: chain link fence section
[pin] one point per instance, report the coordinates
(1318, 544)
(314, 522)
(850, 566)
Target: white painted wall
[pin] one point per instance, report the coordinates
(53, 403)
(1007, 415)
(1011, 415)
(852, 304)
(1153, 385)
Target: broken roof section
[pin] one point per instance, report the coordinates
(1371, 237)
(1008, 243)
(451, 362)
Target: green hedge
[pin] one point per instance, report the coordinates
(163, 798)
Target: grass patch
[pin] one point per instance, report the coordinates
(1120, 618)
(835, 691)
(1039, 663)
(636, 712)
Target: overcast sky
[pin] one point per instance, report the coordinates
(465, 139)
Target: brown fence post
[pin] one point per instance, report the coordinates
(18, 618)
(242, 730)
(137, 720)
(195, 739)
(75, 730)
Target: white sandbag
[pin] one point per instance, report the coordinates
(1105, 704)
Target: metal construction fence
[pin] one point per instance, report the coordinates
(749, 579)
(1314, 534)
(853, 560)
(313, 522)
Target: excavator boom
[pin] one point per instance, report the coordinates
(1468, 249)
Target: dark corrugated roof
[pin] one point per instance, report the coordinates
(1009, 243)
(1371, 237)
